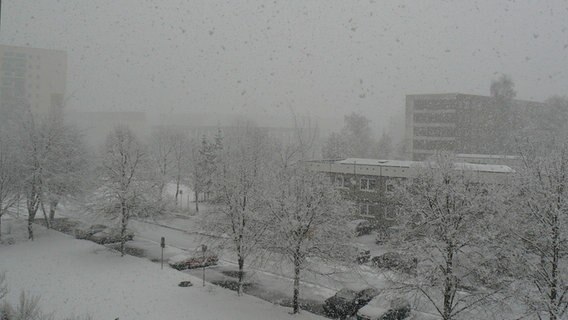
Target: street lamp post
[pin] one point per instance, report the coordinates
(203, 250)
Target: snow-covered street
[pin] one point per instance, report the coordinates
(79, 277)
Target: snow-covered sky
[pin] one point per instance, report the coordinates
(324, 57)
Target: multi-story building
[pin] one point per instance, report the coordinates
(370, 182)
(462, 123)
(31, 79)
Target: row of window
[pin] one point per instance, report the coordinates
(434, 104)
(430, 118)
(435, 131)
(365, 184)
(373, 210)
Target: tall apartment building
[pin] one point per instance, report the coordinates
(463, 123)
(31, 79)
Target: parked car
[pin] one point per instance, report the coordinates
(387, 233)
(382, 308)
(415, 315)
(189, 261)
(86, 233)
(346, 302)
(110, 235)
(395, 261)
(101, 234)
(361, 227)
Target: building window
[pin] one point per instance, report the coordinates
(389, 186)
(368, 184)
(364, 210)
(389, 213)
(369, 210)
(339, 181)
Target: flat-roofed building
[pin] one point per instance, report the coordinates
(31, 79)
(370, 183)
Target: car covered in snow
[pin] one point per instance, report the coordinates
(394, 306)
(361, 255)
(87, 232)
(193, 260)
(346, 302)
(111, 235)
(102, 234)
(395, 261)
(360, 227)
(383, 308)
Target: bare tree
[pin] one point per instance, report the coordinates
(309, 221)
(540, 226)
(181, 156)
(444, 219)
(354, 140)
(503, 88)
(385, 149)
(37, 137)
(66, 168)
(169, 154)
(9, 175)
(123, 185)
(239, 192)
(52, 160)
(3, 285)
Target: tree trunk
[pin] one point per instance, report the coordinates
(196, 201)
(449, 285)
(47, 221)
(52, 206)
(30, 228)
(2, 211)
(123, 222)
(553, 295)
(295, 302)
(177, 189)
(241, 261)
(161, 188)
(32, 204)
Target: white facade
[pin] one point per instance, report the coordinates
(32, 78)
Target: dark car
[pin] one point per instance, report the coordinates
(395, 261)
(346, 302)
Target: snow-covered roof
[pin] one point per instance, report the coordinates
(377, 162)
(419, 164)
(484, 167)
(486, 156)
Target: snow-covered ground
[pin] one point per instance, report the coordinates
(77, 277)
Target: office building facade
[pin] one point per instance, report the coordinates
(464, 124)
(31, 79)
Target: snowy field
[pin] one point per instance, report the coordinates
(76, 277)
